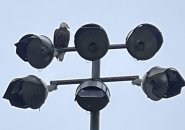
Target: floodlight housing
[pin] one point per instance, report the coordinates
(91, 42)
(92, 95)
(161, 83)
(26, 92)
(38, 50)
(144, 41)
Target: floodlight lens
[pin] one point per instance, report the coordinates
(92, 95)
(144, 41)
(91, 42)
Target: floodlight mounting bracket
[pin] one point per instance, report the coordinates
(51, 87)
(137, 82)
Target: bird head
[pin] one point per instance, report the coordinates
(64, 25)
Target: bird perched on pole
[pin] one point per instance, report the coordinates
(61, 39)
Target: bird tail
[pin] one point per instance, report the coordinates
(60, 56)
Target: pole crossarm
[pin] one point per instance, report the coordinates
(72, 49)
(104, 79)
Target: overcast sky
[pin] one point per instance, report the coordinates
(129, 108)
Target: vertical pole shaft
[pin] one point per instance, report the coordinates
(95, 115)
(94, 123)
(96, 69)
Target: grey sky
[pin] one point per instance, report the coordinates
(129, 108)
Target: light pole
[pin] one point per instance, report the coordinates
(95, 115)
(92, 94)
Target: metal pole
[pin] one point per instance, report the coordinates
(94, 120)
(103, 79)
(96, 69)
(95, 115)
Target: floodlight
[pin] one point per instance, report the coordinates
(161, 83)
(92, 95)
(26, 92)
(37, 50)
(91, 42)
(144, 41)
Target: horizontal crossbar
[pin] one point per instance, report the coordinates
(104, 79)
(113, 46)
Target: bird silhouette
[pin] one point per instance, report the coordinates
(61, 40)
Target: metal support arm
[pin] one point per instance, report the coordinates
(104, 79)
(72, 49)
